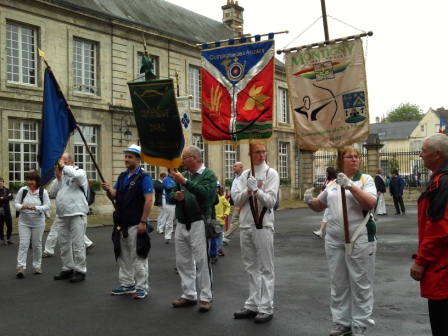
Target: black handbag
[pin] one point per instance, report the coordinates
(213, 229)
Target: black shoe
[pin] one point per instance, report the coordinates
(65, 275)
(244, 313)
(213, 260)
(78, 277)
(263, 317)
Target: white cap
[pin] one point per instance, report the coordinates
(217, 184)
(134, 149)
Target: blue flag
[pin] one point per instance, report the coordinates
(57, 125)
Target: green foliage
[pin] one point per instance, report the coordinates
(285, 181)
(405, 112)
(228, 182)
(96, 185)
(332, 163)
(394, 164)
(15, 186)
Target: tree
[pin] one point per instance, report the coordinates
(405, 112)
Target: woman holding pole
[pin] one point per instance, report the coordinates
(351, 264)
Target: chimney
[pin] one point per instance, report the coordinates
(232, 16)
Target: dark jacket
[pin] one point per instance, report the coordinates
(379, 184)
(7, 196)
(158, 188)
(396, 186)
(203, 186)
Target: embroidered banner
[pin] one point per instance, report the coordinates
(328, 94)
(237, 92)
(158, 122)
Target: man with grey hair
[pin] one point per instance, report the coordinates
(71, 210)
(431, 262)
(235, 223)
(193, 195)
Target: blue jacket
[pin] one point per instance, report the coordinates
(396, 186)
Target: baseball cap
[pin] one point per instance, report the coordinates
(217, 184)
(134, 149)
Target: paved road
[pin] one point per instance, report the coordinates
(38, 305)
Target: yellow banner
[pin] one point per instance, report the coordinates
(328, 94)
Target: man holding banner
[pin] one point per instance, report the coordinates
(193, 194)
(257, 244)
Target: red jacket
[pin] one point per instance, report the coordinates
(433, 236)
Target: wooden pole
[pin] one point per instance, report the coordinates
(41, 54)
(258, 225)
(340, 158)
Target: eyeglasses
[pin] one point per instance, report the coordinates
(260, 152)
(186, 157)
(351, 157)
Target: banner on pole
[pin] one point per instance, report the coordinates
(158, 122)
(58, 124)
(238, 92)
(328, 94)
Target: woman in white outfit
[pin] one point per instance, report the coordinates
(351, 272)
(31, 222)
(381, 189)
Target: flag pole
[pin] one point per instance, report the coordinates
(199, 45)
(340, 158)
(41, 54)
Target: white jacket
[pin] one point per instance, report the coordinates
(32, 217)
(266, 195)
(70, 199)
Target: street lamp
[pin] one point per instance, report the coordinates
(127, 134)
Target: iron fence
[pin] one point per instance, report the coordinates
(406, 161)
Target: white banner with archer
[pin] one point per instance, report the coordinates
(328, 94)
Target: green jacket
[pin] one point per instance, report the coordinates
(203, 186)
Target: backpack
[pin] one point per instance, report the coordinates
(90, 196)
(24, 192)
(277, 203)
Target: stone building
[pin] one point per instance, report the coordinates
(94, 48)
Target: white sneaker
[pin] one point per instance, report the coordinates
(226, 241)
(359, 331)
(318, 233)
(340, 330)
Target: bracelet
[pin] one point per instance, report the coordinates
(143, 222)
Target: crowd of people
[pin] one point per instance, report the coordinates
(187, 200)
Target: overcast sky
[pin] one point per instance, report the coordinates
(407, 55)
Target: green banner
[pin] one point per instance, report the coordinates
(158, 122)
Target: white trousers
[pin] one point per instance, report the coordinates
(52, 238)
(257, 251)
(71, 241)
(170, 210)
(351, 280)
(381, 206)
(161, 214)
(191, 252)
(133, 269)
(25, 234)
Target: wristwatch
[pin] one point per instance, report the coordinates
(185, 183)
(144, 221)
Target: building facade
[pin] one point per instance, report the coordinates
(94, 48)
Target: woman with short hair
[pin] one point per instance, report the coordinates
(32, 203)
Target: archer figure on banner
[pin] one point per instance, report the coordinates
(351, 275)
(257, 234)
